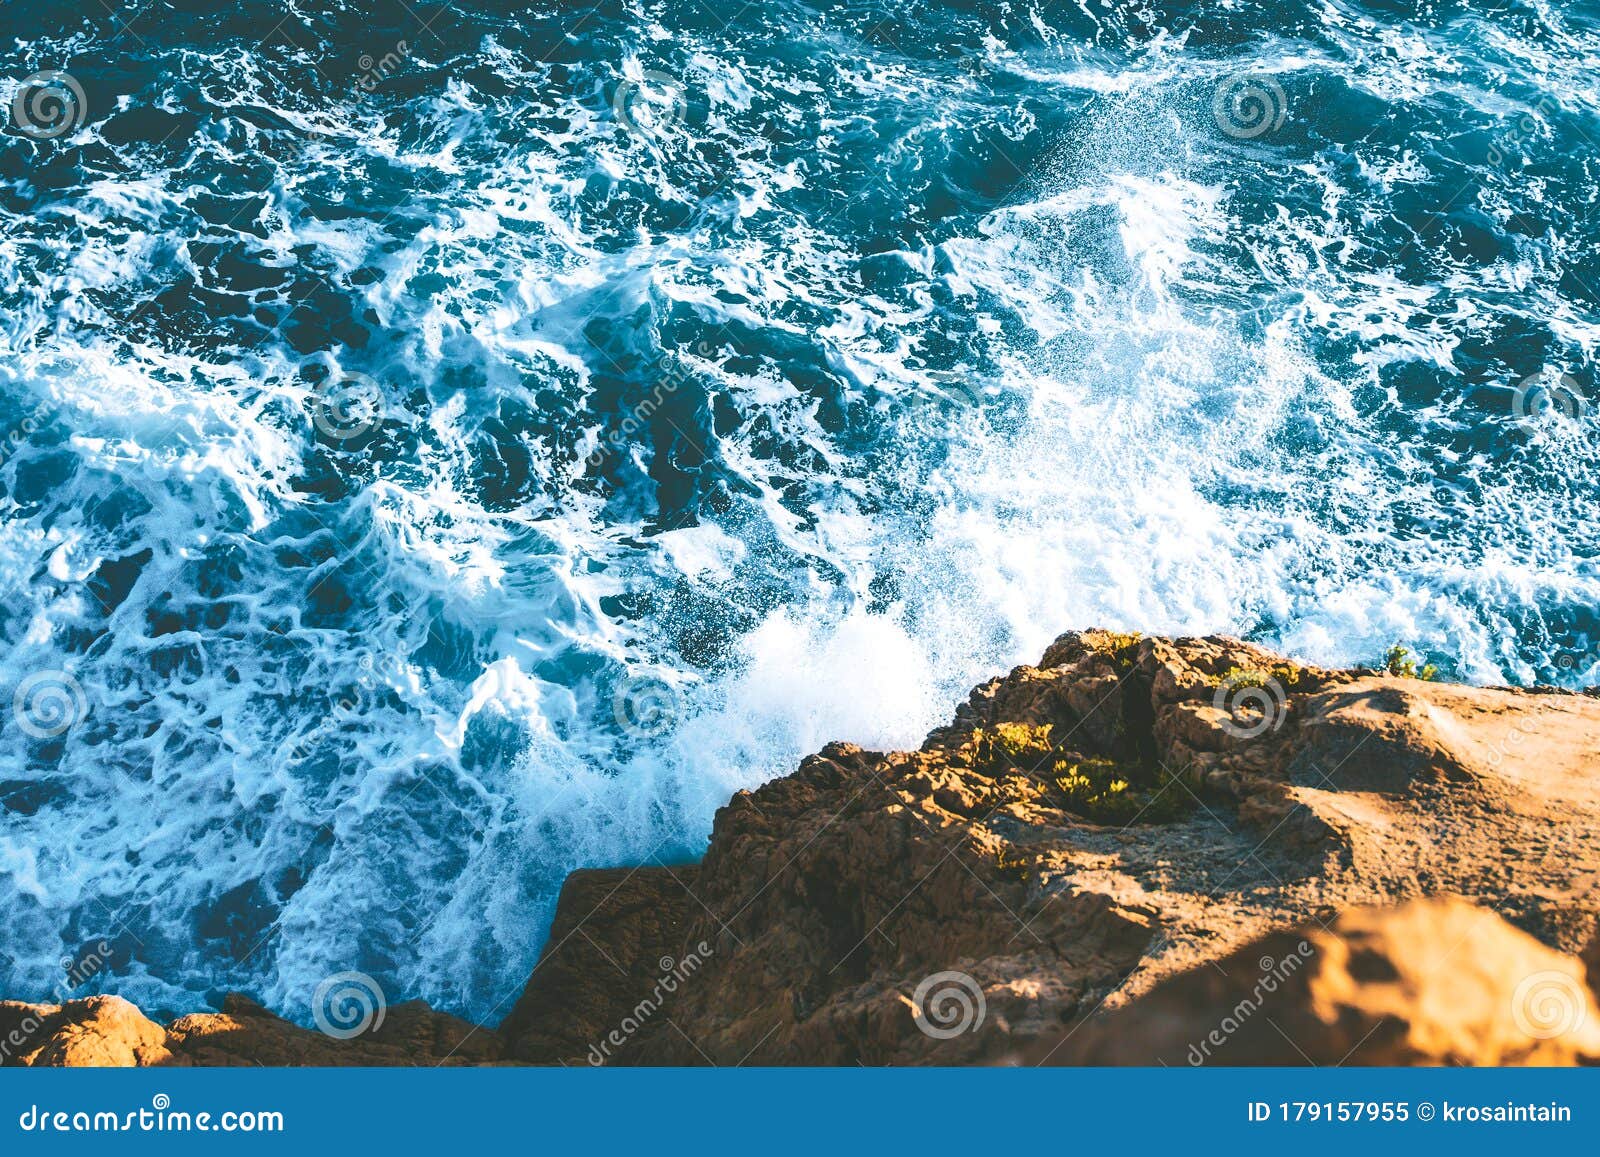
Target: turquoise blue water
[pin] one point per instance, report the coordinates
(450, 445)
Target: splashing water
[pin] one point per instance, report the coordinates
(441, 457)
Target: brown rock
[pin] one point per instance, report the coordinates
(98, 1032)
(244, 1033)
(1433, 982)
(834, 895)
(107, 1031)
(617, 931)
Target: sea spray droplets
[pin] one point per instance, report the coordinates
(947, 1004)
(1549, 1004)
(347, 1004)
(1253, 704)
(48, 704)
(48, 105)
(1249, 106)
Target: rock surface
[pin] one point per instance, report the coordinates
(107, 1031)
(615, 930)
(1263, 795)
(1089, 865)
(1432, 982)
(100, 1032)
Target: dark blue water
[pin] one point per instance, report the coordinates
(451, 445)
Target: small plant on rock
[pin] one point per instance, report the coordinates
(1008, 745)
(1098, 789)
(1285, 675)
(1102, 790)
(1124, 647)
(1018, 867)
(1397, 661)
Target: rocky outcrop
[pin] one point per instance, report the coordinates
(107, 1031)
(100, 1032)
(1127, 811)
(1087, 865)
